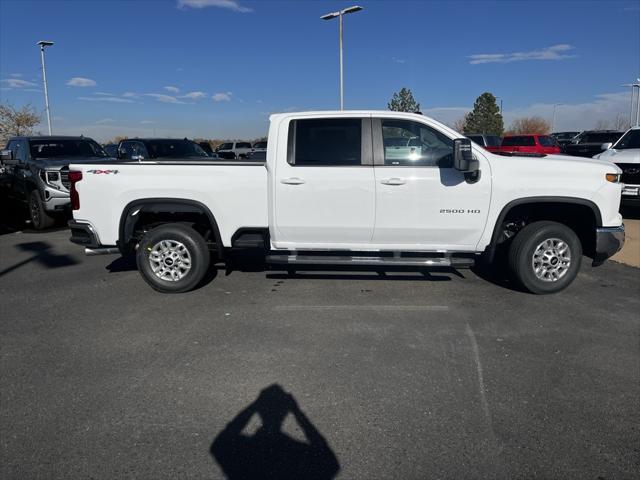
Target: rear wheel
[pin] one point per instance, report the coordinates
(173, 258)
(545, 257)
(40, 219)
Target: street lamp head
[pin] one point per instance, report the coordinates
(355, 8)
(329, 16)
(44, 43)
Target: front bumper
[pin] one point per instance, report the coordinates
(609, 241)
(631, 194)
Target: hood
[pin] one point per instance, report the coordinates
(57, 163)
(627, 155)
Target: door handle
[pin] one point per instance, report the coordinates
(393, 181)
(292, 181)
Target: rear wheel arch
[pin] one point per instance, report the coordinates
(538, 207)
(167, 207)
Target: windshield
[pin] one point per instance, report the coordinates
(260, 145)
(565, 135)
(174, 149)
(546, 141)
(603, 137)
(631, 139)
(62, 148)
(493, 140)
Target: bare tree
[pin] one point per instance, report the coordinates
(602, 125)
(459, 124)
(529, 125)
(14, 122)
(621, 122)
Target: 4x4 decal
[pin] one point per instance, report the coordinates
(102, 172)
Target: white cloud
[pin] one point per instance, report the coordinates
(17, 83)
(104, 120)
(81, 82)
(172, 89)
(163, 98)
(15, 75)
(399, 60)
(228, 4)
(555, 52)
(577, 116)
(106, 99)
(130, 95)
(148, 122)
(222, 97)
(194, 95)
(104, 94)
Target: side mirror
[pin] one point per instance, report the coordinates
(606, 146)
(7, 157)
(463, 156)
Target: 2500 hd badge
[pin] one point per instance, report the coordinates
(458, 210)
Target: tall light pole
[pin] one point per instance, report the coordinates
(340, 14)
(553, 120)
(44, 43)
(500, 98)
(635, 99)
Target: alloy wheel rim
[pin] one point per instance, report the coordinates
(551, 260)
(170, 260)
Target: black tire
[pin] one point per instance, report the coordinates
(40, 219)
(521, 257)
(191, 247)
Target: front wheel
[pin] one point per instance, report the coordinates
(545, 257)
(172, 258)
(40, 219)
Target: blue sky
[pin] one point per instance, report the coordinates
(217, 68)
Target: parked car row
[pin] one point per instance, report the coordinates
(581, 144)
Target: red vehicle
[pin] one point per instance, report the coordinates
(545, 144)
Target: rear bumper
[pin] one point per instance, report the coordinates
(609, 241)
(84, 234)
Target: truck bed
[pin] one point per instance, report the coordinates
(240, 186)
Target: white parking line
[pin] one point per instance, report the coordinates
(367, 308)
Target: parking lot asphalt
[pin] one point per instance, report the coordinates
(312, 375)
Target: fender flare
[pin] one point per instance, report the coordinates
(491, 250)
(127, 221)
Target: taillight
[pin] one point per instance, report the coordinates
(74, 177)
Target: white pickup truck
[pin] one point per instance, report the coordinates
(341, 188)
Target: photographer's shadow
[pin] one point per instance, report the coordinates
(270, 453)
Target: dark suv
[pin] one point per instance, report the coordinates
(36, 171)
(589, 143)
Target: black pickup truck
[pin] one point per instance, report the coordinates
(589, 143)
(36, 172)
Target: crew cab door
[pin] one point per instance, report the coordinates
(422, 202)
(324, 184)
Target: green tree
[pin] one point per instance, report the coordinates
(14, 122)
(485, 116)
(403, 101)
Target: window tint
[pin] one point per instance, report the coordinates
(411, 143)
(630, 140)
(174, 149)
(519, 140)
(226, 146)
(260, 145)
(602, 137)
(547, 141)
(335, 141)
(53, 148)
(129, 149)
(243, 145)
(493, 140)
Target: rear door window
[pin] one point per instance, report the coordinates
(326, 142)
